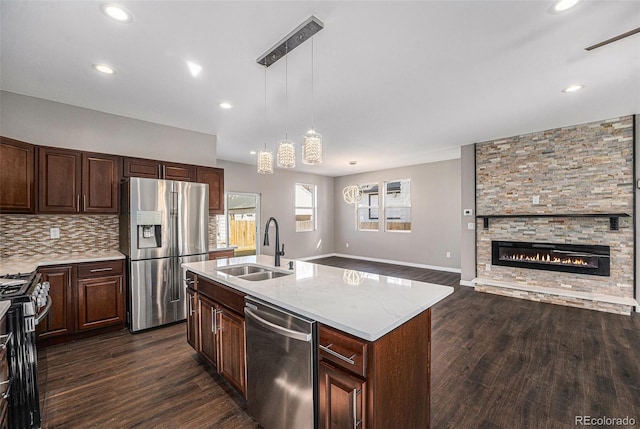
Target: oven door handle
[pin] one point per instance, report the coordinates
(7, 392)
(44, 312)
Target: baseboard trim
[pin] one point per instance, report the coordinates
(467, 283)
(311, 258)
(384, 261)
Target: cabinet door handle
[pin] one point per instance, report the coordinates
(190, 305)
(160, 171)
(356, 422)
(120, 286)
(84, 202)
(78, 202)
(348, 360)
(164, 171)
(5, 340)
(97, 270)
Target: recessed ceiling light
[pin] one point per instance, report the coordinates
(563, 5)
(103, 68)
(253, 152)
(194, 68)
(573, 88)
(116, 12)
(225, 105)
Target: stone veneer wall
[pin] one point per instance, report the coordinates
(583, 169)
(28, 235)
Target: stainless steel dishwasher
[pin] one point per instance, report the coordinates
(281, 367)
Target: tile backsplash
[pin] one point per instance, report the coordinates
(28, 235)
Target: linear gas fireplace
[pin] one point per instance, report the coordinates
(570, 258)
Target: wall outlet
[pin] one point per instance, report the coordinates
(54, 232)
(468, 212)
(471, 225)
(536, 199)
(448, 254)
(487, 267)
(347, 245)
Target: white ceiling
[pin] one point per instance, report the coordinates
(396, 83)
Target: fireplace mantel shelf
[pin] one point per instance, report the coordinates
(614, 224)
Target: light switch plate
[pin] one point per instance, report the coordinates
(54, 232)
(471, 226)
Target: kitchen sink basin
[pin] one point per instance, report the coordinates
(264, 275)
(253, 273)
(241, 270)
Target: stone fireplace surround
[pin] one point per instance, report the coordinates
(561, 175)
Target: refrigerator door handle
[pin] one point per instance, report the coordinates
(175, 284)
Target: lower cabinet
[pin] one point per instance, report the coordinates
(86, 298)
(5, 380)
(341, 398)
(216, 328)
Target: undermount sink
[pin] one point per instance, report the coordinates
(252, 272)
(264, 275)
(241, 270)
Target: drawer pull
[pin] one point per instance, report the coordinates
(189, 282)
(356, 422)
(327, 349)
(97, 270)
(5, 340)
(7, 392)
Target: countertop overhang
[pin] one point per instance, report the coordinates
(27, 264)
(365, 305)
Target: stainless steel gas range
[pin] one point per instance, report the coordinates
(30, 302)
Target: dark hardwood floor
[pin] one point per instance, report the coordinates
(497, 362)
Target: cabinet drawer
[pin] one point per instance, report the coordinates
(343, 350)
(222, 294)
(101, 268)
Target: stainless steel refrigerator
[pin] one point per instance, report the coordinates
(163, 224)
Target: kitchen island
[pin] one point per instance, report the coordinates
(374, 334)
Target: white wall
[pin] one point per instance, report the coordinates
(48, 123)
(277, 199)
(468, 198)
(435, 210)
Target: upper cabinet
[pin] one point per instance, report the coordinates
(77, 182)
(17, 177)
(138, 167)
(214, 177)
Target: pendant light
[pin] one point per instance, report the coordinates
(312, 146)
(264, 161)
(352, 193)
(286, 148)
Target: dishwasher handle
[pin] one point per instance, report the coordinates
(301, 336)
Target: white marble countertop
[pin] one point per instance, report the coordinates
(27, 264)
(363, 304)
(4, 307)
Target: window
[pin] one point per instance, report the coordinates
(305, 207)
(397, 205)
(368, 208)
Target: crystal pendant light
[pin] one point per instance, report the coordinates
(286, 148)
(312, 146)
(352, 194)
(265, 157)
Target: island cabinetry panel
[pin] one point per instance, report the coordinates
(221, 329)
(17, 176)
(192, 312)
(214, 177)
(394, 379)
(152, 169)
(59, 320)
(221, 254)
(77, 182)
(87, 299)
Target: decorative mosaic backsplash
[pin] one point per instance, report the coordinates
(584, 169)
(28, 235)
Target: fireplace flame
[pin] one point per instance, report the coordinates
(546, 258)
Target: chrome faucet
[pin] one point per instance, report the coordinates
(278, 252)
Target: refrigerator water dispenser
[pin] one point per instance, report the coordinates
(149, 229)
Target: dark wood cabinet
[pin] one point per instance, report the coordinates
(77, 182)
(232, 356)
(220, 327)
(214, 177)
(208, 311)
(341, 403)
(17, 176)
(192, 319)
(100, 183)
(59, 320)
(87, 298)
(152, 169)
(221, 254)
(59, 180)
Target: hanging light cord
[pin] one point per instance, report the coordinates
(312, 100)
(266, 119)
(286, 91)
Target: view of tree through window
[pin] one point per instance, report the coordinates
(305, 207)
